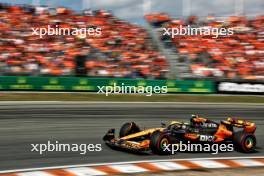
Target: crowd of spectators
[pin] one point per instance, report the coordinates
(237, 56)
(124, 48)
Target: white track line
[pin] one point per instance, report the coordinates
(128, 162)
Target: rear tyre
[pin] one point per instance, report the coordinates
(157, 141)
(128, 128)
(245, 142)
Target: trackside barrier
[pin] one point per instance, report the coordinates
(240, 87)
(29, 83)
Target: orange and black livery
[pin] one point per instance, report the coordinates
(199, 130)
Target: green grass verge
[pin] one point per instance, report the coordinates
(130, 98)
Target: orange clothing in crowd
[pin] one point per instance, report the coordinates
(240, 55)
(123, 48)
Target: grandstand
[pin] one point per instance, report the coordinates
(123, 49)
(238, 56)
(127, 50)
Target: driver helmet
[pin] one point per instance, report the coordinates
(175, 125)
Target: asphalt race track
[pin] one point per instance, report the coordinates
(23, 124)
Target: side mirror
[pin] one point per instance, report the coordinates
(163, 125)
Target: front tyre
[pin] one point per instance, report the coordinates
(158, 141)
(128, 128)
(245, 142)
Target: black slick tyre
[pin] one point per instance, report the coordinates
(128, 128)
(244, 142)
(158, 141)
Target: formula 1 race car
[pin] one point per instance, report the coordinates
(198, 130)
